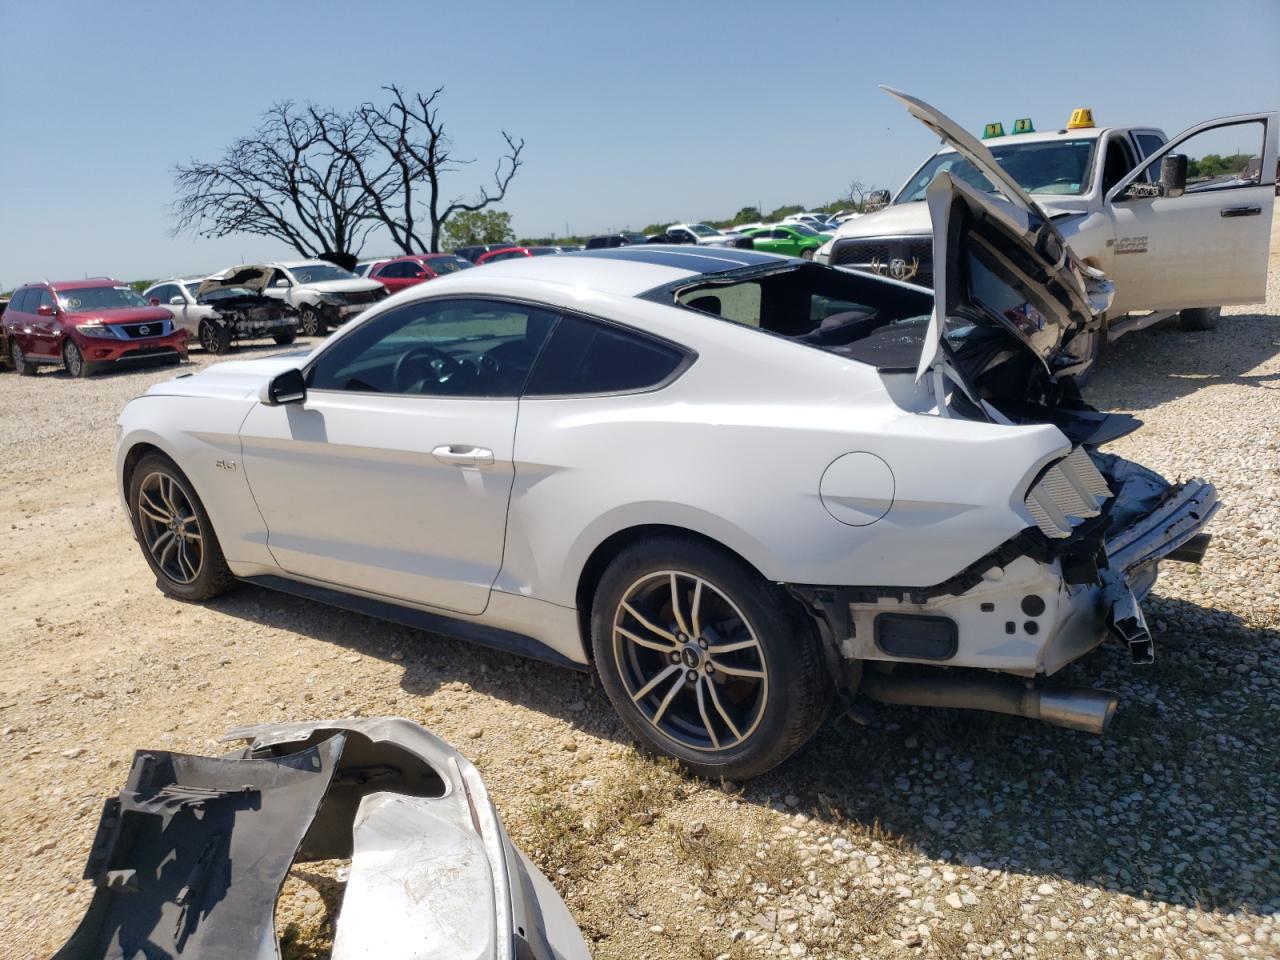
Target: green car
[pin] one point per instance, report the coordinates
(788, 239)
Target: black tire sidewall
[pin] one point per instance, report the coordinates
(84, 369)
(214, 577)
(1199, 319)
(18, 357)
(799, 687)
(218, 335)
(317, 324)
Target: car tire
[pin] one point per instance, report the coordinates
(311, 323)
(175, 533)
(74, 362)
(284, 339)
(21, 364)
(733, 714)
(806, 254)
(214, 338)
(1201, 318)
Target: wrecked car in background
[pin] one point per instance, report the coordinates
(226, 308)
(190, 857)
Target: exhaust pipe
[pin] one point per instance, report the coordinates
(1076, 708)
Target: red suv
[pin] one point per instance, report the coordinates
(84, 324)
(403, 272)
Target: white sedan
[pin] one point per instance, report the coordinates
(736, 485)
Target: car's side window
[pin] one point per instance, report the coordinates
(46, 299)
(164, 293)
(587, 358)
(277, 276)
(19, 304)
(440, 348)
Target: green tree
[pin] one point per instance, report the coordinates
(747, 215)
(784, 211)
(469, 227)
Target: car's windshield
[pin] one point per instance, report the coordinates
(702, 230)
(803, 229)
(319, 272)
(192, 288)
(448, 264)
(100, 298)
(1059, 167)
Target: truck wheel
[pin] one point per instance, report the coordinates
(1090, 351)
(311, 323)
(74, 361)
(19, 360)
(706, 661)
(214, 338)
(1201, 318)
(285, 338)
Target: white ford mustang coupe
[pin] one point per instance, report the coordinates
(736, 485)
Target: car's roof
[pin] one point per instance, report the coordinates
(629, 270)
(298, 263)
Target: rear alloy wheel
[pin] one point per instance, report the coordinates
(172, 527)
(74, 360)
(214, 337)
(1201, 318)
(21, 364)
(311, 324)
(705, 661)
(806, 253)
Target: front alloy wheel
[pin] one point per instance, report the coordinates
(690, 661)
(311, 323)
(704, 659)
(73, 360)
(171, 525)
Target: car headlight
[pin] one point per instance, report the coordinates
(333, 298)
(96, 330)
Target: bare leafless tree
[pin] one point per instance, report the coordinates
(858, 190)
(284, 181)
(322, 180)
(413, 138)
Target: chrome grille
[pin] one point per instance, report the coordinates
(878, 254)
(1067, 493)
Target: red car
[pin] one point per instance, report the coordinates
(404, 272)
(84, 324)
(506, 253)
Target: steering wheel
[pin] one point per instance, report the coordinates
(438, 366)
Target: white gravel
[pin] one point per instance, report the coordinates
(930, 834)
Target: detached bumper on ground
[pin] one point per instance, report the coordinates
(190, 857)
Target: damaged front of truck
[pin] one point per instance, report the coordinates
(1011, 308)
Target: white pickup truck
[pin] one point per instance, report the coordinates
(1177, 236)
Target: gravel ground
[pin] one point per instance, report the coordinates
(924, 833)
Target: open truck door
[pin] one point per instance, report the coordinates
(1196, 232)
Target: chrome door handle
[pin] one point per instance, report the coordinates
(1241, 211)
(463, 455)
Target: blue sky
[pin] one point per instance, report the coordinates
(632, 113)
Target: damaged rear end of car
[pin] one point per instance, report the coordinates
(991, 438)
(1012, 308)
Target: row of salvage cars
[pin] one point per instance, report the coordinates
(737, 486)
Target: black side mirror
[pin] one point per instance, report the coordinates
(287, 387)
(1173, 174)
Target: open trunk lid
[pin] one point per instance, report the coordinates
(1002, 258)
